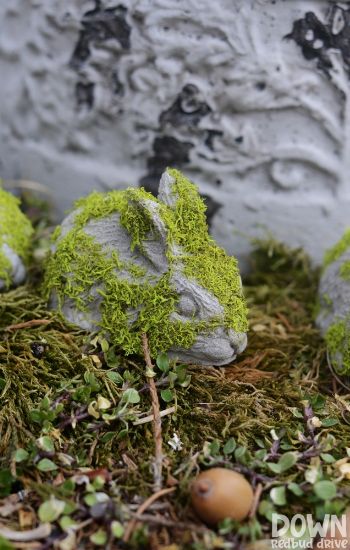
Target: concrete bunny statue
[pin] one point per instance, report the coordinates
(15, 240)
(124, 263)
(334, 304)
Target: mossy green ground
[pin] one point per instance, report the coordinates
(69, 402)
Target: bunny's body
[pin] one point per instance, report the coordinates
(125, 263)
(334, 301)
(15, 237)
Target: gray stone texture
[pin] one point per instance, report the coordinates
(334, 295)
(18, 271)
(250, 98)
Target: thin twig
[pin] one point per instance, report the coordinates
(28, 324)
(157, 423)
(73, 419)
(150, 417)
(333, 371)
(158, 520)
(146, 504)
(256, 499)
(41, 532)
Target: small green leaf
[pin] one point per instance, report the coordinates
(181, 372)
(266, 509)
(6, 481)
(163, 362)
(227, 526)
(50, 510)
(99, 538)
(295, 412)
(328, 422)
(112, 359)
(318, 402)
(98, 482)
(45, 404)
(131, 396)
(66, 523)
(240, 454)
(46, 465)
(117, 529)
(68, 486)
(286, 446)
(104, 345)
(295, 489)
(36, 416)
(214, 447)
(115, 377)
(108, 436)
(167, 395)
(46, 444)
(287, 460)
(186, 382)
(275, 468)
(326, 457)
(20, 455)
(94, 498)
(278, 495)
(325, 490)
(229, 446)
(70, 507)
(91, 379)
(123, 433)
(260, 454)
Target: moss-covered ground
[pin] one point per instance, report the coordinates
(76, 454)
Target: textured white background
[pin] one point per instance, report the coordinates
(96, 96)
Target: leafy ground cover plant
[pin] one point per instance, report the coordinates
(76, 438)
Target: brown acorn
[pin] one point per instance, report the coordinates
(219, 493)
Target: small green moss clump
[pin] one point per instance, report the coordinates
(327, 300)
(338, 342)
(132, 302)
(337, 250)
(344, 270)
(15, 231)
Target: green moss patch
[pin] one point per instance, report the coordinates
(15, 231)
(338, 343)
(344, 270)
(206, 262)
(337, 250)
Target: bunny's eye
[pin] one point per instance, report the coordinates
(187, 306)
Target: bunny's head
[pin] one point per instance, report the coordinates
(125, 263)
(15, 237)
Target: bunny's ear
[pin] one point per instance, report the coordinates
(167, 191)
(144, 223)
(183, 198)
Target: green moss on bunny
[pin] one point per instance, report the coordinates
(15, 231)
(206, 261)
(338, 343)
(337, 250)
(131, 302)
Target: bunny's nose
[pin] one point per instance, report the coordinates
(238, 341)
